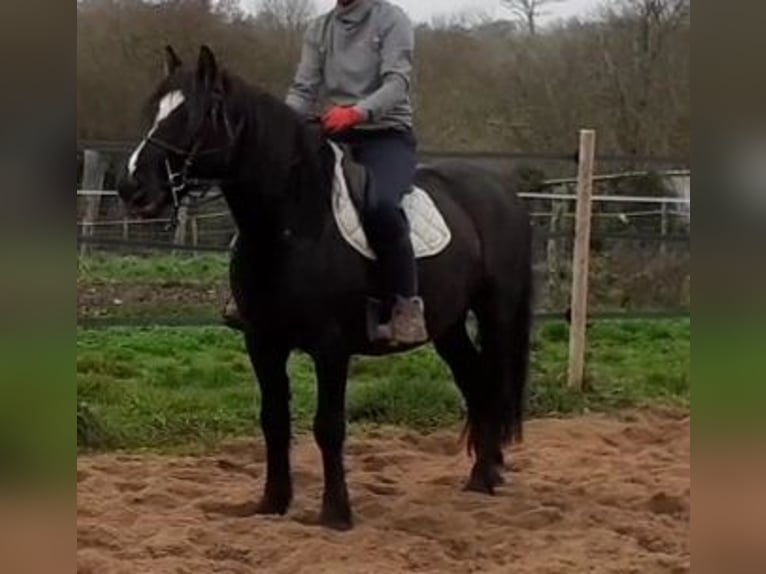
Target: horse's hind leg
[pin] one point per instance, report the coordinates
(269, 364)
(463, 359)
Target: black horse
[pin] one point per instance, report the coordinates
(300, 286)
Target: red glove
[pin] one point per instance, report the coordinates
(339, 119)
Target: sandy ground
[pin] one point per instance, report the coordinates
(592, 494)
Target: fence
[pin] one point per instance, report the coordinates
(209, 225)
(213, 226)
(101, 217)
(123, 148)
(572, 225)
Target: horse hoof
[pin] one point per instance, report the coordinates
(271, 506)
(339, 520)
(480, 486)
(482, 482)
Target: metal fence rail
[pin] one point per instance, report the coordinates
(543, 316)
(529, 195)
(108, 242)
(126, 146)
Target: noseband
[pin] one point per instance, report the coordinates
(179, 181)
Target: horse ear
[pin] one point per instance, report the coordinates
(172, 61)
(207, 69)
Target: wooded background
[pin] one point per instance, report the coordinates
(480, 85)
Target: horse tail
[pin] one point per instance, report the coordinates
(508, 328)
(514, 391)
(505, 327)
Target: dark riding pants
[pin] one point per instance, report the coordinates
(390, 159)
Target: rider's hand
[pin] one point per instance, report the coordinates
(339, 118)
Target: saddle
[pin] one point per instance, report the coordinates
(357, 179)
(429, 232)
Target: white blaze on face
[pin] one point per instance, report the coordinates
(169, 103)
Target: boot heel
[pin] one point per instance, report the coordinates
(408, 323)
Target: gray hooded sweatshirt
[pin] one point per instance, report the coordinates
(360, 55)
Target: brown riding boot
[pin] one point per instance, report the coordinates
(232, 317)
(408, 324)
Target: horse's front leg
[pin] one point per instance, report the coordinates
(270, 365)
(330, 433)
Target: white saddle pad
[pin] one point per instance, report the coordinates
(428, 230)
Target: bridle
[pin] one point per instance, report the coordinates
(179, 180)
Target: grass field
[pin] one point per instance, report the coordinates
(189, 388)
(192, 269)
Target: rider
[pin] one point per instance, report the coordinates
(356, 64)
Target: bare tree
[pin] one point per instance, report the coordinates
(660, 10)
(529, 11)
(640, 54)
(288, 15)
(230, 10)
(626, 73)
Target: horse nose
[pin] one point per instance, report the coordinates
(127, 187)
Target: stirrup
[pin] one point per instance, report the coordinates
(231, 316)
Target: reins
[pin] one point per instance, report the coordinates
(179, 181)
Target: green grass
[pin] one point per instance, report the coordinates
(153, 268)
(170, 388)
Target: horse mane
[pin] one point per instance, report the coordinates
(279, 129)
(282, 153)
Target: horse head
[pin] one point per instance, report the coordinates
(191, 136)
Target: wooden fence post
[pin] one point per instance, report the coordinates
(93, 175)
(580, 262)
(179, 236)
